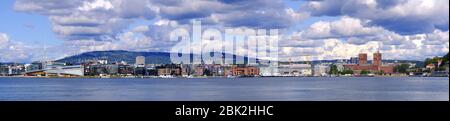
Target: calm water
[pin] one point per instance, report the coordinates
(224, 89)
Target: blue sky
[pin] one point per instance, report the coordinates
(29, 28)
(329, 29)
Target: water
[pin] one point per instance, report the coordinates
(225, 89)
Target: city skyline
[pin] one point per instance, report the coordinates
(314, 30)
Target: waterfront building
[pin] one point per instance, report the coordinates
(125, 70)
(140, 71)
(243, 70)
(57, 70)
(199, 70)
(268, 70)
(4, 70)
(430, 66)
(112, 69)
(295, 69)
(321, 70)
(215, 70)
(169, 70)
(362, 58)
(34, 66)
(186, 70)
(227, 70)
(376, 66)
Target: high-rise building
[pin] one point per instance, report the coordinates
(140, 60)
(362, 58)
(377, 59)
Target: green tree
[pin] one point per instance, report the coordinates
(402, 68)
(446, 58)
(380, 72)
(364, 72)
(344, 72)
(333, 70)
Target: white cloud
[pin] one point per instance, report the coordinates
(4, 39)
(97, 4)
(142, 28)
(342, 28)
(12, 51)
(394, 15)
(346, 37)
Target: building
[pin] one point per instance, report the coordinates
(362, 59)
(199, 70)
(186, 70)
(215, 70)
(430, 66)
(295, 70)
(169, 70)
(268, 70)
(321, 70)
(242, 70)
(140, 61)
(377, 59)
(376, 66)
(77, 70)
(354, 60)
(104, 62)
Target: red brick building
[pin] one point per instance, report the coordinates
(376, 66)
(362, 58)
(244, 71)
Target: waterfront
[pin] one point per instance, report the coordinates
(227, 89)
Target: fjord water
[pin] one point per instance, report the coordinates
(227, 89)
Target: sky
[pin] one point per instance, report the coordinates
(35, 30)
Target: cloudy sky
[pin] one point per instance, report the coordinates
(32, 30)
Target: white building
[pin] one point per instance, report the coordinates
(321, 70)
(65, 70)
(295, 70)
(268, 71)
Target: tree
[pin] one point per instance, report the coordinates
(333, 70)
(364, 72)
(446, 58)
(344, 72)
(381, 72)
(402, 68)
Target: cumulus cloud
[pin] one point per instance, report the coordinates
(255, 14)
(351, 30)
(401, 16)
(13, 51)
(343, 28)
(346, 37)
(90, 19)
(47, 7)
